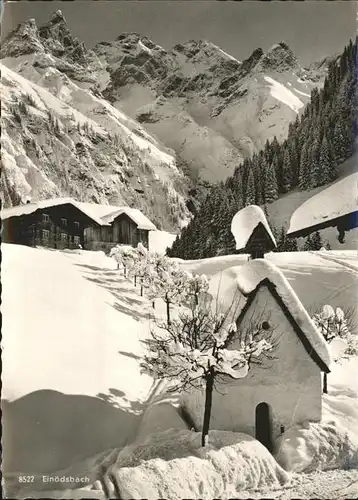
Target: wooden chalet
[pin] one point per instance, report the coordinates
(119, 225)
(55, 223)
(65, 223)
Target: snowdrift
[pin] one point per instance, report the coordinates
(160, 240)
(169, 464)
(173, 465)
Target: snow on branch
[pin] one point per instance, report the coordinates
(196, 346)
(335, 324)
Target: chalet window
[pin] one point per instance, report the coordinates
(45, 234)
(64, 222)
(76, 240)
(265, 325)
(76, 224)
(63, 236)
(45, 218)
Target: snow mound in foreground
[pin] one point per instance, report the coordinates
(320, 446)
(173, 465)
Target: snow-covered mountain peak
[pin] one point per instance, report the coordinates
(57, 38)
(279, 57)
(195, 99)
(248, 64)
(23, 40)
(133, 38)
(203, 51)
(57, 17)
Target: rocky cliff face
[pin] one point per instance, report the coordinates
(132, 122)
(50, 149)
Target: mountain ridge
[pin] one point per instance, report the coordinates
(192, 114)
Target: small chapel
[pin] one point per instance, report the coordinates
(286, 388)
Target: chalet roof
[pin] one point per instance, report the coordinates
(136, 215)
(244, 224)
(107, 214)
(101, 214)
(30, 208)
(327, 208)
(237, 286)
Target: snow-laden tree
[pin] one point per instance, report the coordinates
(140, 265)
(193, 351)
(164, 279)
(115, 254)
(333, 324)
(196, 289)
(125, 255)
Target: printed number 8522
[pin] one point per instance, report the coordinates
(26, 479)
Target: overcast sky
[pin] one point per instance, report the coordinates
(313, 29)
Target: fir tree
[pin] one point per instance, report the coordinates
(285, 243)
(286, 172)
(308, 244)
(304, 175)
(326, 169)
(340, 143)
(316, 241)
(270, 184)
(250, 189)
(315, 172)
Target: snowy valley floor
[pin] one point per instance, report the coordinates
(72, 390)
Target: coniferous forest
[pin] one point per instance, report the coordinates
(318, 142)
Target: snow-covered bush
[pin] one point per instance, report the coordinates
(333, 324)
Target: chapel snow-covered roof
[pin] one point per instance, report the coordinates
(338, 200)
(101, 214)
(245, 222)
(237, 284)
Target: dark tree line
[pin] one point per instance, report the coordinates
(318, 142)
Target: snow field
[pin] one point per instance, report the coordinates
(283, 94)
(57, 300)
(102, 395)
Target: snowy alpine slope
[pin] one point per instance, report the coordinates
(54, 147)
